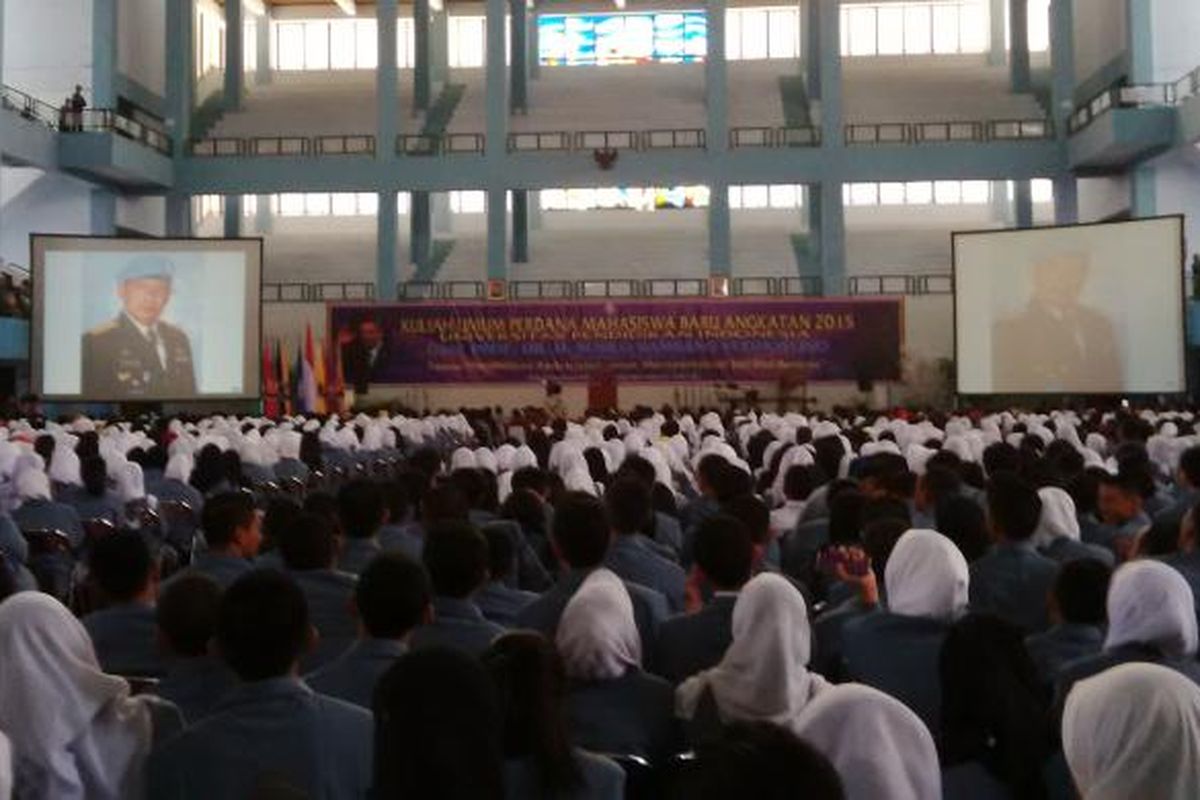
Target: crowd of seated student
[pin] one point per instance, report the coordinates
(1000, 607)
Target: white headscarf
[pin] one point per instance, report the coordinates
(881, 749)
(927, 576)
(1058, 517)
(1134, 732)
(597, 635)
(179, 467)
(764, 673)
(462, 458)
(64, 468)
(131, 483)
(32, 484)
(1151, 603)
(72, 723)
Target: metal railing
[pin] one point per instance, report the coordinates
(1151, 95)
(89, 120)
(916, 133)
(599, 288)
(345, 145)
(787, 136)
(29, 107)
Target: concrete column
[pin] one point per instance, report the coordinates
(439, 45)
(1062, 64)
(831, 75)
(1144, 190)
(385, 244)
(497, 234)
(179, 215)
(234, 63)
(1018, 25)
(716, 73)
(520, 226)
(262, 46)
(812, 48)
(496, 105)
(827, 227)
(233, 216)
(997, 23)
(180, 79)
(720, 247)
(1140, 27)
(420, 240)
(422, 63)
(264, 222)
(519, 47)
(104, 54)
(1001, 205)
(387, 94)
(1023, 204)
(103, 212)
(535, 50)
(443, 220)
(1066, 200)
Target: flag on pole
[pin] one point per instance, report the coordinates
(285, 378)
(270, 384)
(307, 385)
(318, 367)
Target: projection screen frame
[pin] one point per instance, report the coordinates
(1180, 218)
(37, 323)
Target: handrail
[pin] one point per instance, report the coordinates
(345, 145)
(1144, 95)
(29, 107)
(914, 285)
(89, 120)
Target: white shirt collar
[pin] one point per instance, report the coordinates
(144, 330)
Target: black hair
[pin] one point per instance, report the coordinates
(186, 613)
(828, 454)
(723, 549)
(209, 469)
(962, 521)
(502, 553)
(43, 445)
(94, 474)
(281, 512)
(581, 530)
(940, 483)
(629, 505)
(531, 687)
(885, 507)
(799, 481)
(751, 512)
(262, 625)
(1081, 591)
(391, 595)
(438, 729)
(532, 478)
(597, 466)
(1189, 465)
(845, 517)
(120, 565)
(362, 508)
(1014, 506)
(443, 503)
(224, 514)
(1001, 457)
(310, 450)
(456, 556)
(635, 467)
(310, 543)
(879, 538)
(471, 484)
(526, 508)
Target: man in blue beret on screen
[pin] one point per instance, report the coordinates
(138, 355)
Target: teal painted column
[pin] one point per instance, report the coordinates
(262, 47)
(497, 234)
(1001, 206)
(1066, 200)
(520, 226)
(812, 48)
(1140, 29)
(264, 222)
(387, 87)
(422, 66)
(997, 20)
(234, 52)
(442, 219)
(1144, 190)
(180, 79)
(233, 216)
(496, 105)
(831, 74)
(519, 48)
(535, 49)
(720, 240)
(385, 246)
(1023, 204)
(103, 212)
(827, 226)
(179, 215)
(104, 54)
(439, 45)
(1062, 64)
(1018, 27)
(716, 74)
(420, 226)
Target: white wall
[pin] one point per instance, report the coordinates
(53, 203)
(1101, 31)
(48, 47)
(1177, 187)
(143, 214)
(1100, 198)
(141, 43)
(1176, 25)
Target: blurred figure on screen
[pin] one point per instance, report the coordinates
(364, 354)
(138, 354)
(1056, 343)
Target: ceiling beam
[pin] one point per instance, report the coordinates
(350, 7)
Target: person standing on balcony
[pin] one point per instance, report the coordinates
(78, 104)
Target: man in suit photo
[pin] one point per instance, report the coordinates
(365, 356)
(138, 354)
(1056, 343)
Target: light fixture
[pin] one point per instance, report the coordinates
(349, 7)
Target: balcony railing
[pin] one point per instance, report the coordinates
(917, 133)
(89, 120)
(597, 288)
(1151, 95)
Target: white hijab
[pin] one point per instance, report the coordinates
(1058, 518)
(881, 749)
(1134, 732)
(179, 467)
(1151, 603)
(32, 484)
(76, 731)
(927, 576)
(764, 673)
(597, 635)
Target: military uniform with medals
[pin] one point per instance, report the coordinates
(120, 362)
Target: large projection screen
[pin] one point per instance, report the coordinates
(146, 320)
(1087, 309)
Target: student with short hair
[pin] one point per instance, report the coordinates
(271, 727)
(362, 510)
(498, 601)
(391, 599)
(456, 557)
(1121, 503)
(1076, 607)
(634, 556)
(232, 530)
(309, 553)
(186, 616)
(125, 579)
